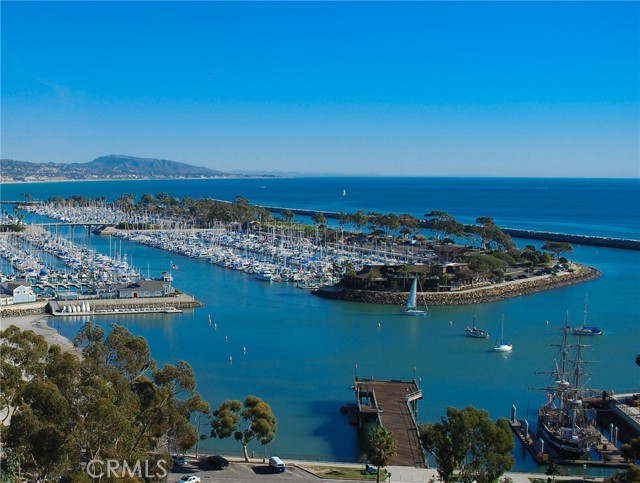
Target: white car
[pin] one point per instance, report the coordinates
(189, 479)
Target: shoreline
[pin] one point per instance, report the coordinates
(38, 324)
(480, 295)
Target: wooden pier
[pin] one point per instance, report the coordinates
(393, 404)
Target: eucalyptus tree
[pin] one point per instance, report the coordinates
(245, 422)
(318, 218)
(443, 225)
(493, 238)
(468, 440)
(287, 215)
(557, 248)
(114, 402)
(21, 360)
(409, 224)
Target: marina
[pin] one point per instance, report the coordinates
(312, 340)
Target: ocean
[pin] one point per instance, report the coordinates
(302, 351)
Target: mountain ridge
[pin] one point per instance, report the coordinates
(112, 166)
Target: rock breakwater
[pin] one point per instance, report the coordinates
(492, 293)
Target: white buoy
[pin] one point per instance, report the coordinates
(230, 359)
(244, 350)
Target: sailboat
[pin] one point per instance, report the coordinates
(475, 331)
(501, 344)
(411, 308)
(563, 421)
(585, 329)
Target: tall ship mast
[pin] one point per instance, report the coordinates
(563, 421)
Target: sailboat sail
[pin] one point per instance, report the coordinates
(411, 308)
(413, 295)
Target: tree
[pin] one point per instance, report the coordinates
(111, 403)
(380, 448)
(558, 248)
(631, 450)
(287, 215)
(632, 475)
(442, 224)
(253, 420)
(553, 470)
(318, 218)
(21, 360)
(471, 442)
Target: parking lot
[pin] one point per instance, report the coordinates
(239, 472)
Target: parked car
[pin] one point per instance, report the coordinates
(178, 460)
(276, 464)
(217, 461)
(190, 479)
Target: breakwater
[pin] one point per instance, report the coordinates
(480, 295)
(599, 241)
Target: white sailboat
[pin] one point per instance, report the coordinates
(411, 308)
(501, 344)
(586, 329)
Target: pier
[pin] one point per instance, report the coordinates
(392, 404)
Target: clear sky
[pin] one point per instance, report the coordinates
(413, 89)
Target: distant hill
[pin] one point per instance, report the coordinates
(105, 167)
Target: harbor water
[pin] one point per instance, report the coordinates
(300, 352)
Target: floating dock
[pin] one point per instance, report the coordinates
(393, 404)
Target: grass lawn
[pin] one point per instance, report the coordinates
(340, 473)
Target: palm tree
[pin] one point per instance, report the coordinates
(381, 448)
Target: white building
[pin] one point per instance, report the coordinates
(21, 292)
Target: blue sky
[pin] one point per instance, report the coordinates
(413, 89)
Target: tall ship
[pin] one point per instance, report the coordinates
(564, 422)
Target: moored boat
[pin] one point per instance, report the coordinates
(586, 329)
(501, 344)
(563, 421)
(474, 331)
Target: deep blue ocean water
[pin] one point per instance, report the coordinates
(302, 351)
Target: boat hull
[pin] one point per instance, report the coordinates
(563, 448)
(413, 312)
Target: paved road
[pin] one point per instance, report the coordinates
(239, 473)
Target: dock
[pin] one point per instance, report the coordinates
(393, 404)
(610, 455)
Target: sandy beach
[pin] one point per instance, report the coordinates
(38, 323)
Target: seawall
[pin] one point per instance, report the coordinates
(480, 295)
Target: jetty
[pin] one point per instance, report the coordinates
(392, 404)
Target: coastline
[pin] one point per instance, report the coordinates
(480, 295)
(38, 324)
